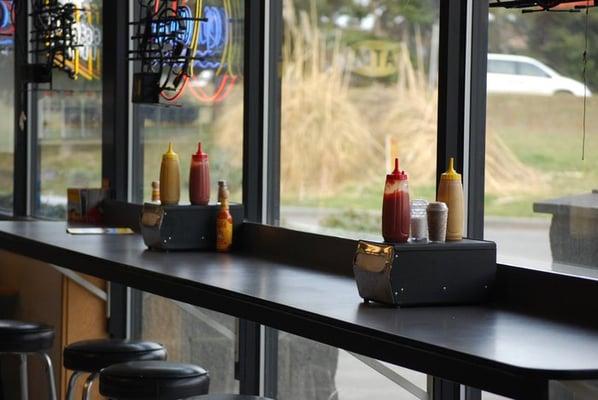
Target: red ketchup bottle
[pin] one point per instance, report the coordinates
(199, 178)
(396, 213)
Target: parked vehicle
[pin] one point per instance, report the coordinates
(509, 73)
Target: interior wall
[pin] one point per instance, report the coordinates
(45, 295)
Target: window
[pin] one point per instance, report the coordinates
(359, 87)
(7, 106)
(66, 120)
(541, 205)
(501, 67)
(528, 69)
(193, 335)
(209, 111)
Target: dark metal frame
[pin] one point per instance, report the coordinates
(115, 139)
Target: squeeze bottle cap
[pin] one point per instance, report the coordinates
(397, 174)
(200, 155)
(170, 154)
(451, 174)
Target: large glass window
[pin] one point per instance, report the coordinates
(210, 109)
(193, 335)
(66, 119)
(6, 105)
(359, 88)
(541, 202)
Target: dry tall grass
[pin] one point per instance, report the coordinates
(333, 134)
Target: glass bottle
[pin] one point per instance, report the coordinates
(396, 214)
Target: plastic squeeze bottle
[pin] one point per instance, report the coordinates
(199, 178)
(170, 178)
(224, 225)
(396, 209)
(450, 192)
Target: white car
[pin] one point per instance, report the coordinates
(509, 73)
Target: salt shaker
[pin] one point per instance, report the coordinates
(419, 221)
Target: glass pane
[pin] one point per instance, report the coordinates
(311, 370)
(193, 335)
(531, 70)
(68, 121)
(210, 109)
(501, 67)
(359, 88)
(7, 106)
(540, 205)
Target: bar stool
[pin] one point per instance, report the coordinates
(149, 380)
(24, 339)
(230, 397)
(91, 356)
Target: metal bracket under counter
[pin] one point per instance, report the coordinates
(84, 283)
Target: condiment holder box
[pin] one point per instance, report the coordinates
(184, 227)
(414, 274)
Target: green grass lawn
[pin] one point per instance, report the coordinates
(543, 132)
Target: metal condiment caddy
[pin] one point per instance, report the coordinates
(411, 274)
(183, 227)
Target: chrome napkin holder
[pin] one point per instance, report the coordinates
(413, 274)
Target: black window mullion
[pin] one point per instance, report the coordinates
(253, 115)
(21, 140)
(115, 132)
(477, 123)
(115, 97)
(451, 83)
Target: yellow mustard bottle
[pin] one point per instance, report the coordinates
(170, 178)
(450, 191)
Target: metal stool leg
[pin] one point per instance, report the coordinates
(88, 385)
(50, 372)
(70, 391)
(23, 376)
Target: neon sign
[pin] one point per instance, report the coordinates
(7, 28)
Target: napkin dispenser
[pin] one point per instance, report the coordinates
(184, 227)
(414, 274)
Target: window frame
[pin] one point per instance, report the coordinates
(461, 130)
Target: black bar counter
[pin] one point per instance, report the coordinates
(492, 347)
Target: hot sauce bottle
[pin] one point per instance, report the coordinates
(396, 209)
(224, 224)
(199, 178)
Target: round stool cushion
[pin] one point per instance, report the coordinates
(230, 397)
(93, 355)
(158, 380)
(25, 337)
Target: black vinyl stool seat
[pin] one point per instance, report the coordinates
(230, 397)
(25, 337)
(91, 356)
(28, 338)
(153, 380)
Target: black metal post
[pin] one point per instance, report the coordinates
(21, 140)
(444, 390)
(249, 357)
(115, 131)
(451, 83)
(477, 123)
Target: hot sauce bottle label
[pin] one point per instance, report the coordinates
(224, 233)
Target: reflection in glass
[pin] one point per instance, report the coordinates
(539, 205)
(68, 119)
(193, 335)
(209, 108)
(359, 87)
